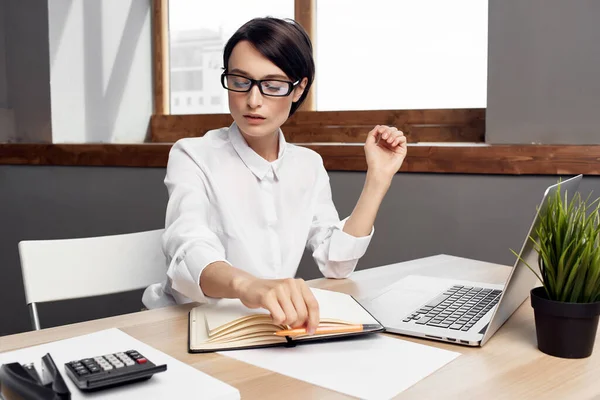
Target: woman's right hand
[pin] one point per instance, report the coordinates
(290, 301)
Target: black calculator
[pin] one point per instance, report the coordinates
(110, 370)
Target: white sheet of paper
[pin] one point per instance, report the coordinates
(179, 381)
(372, 367)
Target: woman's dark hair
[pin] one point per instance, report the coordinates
(284, 42)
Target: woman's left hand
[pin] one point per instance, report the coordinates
(385, 150)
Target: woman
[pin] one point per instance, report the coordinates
(243, 203)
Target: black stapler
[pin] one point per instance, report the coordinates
(23, 382)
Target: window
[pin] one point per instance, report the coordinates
(183, 56)
(186, 81)
(403, 54)
(422, 64)
(198, 31)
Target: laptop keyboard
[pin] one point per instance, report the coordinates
(458, 308)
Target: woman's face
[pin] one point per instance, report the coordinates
(255, 114)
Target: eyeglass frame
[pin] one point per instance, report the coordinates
(258, 82)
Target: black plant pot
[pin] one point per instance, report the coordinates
(566, 330)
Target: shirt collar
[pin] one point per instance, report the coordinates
(258, 165)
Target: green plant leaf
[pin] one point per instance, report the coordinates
(567, 241)
(528, 266)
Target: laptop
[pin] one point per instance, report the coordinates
(457, 311)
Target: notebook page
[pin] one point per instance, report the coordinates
(226, 311)
(331, 305)
(341, 306)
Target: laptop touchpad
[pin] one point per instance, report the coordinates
(404, 297)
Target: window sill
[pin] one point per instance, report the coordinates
(460, 158)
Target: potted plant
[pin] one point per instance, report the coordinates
(567, 305)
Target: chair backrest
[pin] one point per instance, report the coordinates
(73, 268)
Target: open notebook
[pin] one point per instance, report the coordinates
(229, 325)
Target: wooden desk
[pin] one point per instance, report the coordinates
(509, 366)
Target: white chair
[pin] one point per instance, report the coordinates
(73, 268)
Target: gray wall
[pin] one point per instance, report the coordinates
(474, 216)
(543, 63)
(28, 70)
(69, 202)
(3, 88)
(7, 126)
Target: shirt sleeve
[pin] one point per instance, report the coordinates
(335, 252)
(188, 243)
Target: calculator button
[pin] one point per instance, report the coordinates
(82, 372)
(141, 361)
(107, 367)
(126, 359)
(94, 370)
(129, 363)
(76, 364)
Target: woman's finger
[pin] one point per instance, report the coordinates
(373, 135)
(391, 132)
(312, 307)
(283, 297)
(271, 303)
(298, 303)
(399, 139)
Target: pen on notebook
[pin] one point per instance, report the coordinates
(329, 329)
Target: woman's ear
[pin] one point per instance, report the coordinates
(299, 89)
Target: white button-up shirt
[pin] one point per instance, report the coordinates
(227, 203)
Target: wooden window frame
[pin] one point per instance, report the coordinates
(307, 125)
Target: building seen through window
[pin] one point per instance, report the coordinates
(196, 58)
(198, 32)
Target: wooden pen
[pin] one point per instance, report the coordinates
(329, 329)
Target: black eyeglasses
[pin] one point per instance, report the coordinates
(268, 87)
